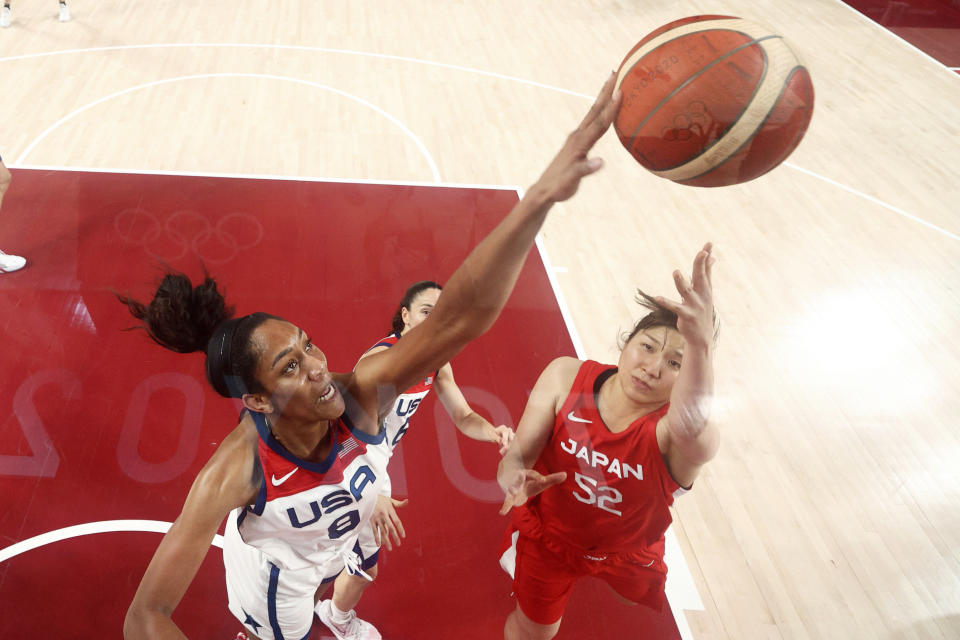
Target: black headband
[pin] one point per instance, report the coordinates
(220, 371)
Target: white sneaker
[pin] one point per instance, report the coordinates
(10, 263)
(5, 17)
(64, 12)
(353, 629)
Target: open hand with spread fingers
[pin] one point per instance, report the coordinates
(695, 312)
(526, 484)
(562, 178)
(386, 524)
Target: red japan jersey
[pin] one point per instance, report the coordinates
(618, 490)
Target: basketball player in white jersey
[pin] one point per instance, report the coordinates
(386, 527)
(298, 477)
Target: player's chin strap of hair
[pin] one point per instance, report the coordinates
(220, 370)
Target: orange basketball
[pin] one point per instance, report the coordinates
(710, 101)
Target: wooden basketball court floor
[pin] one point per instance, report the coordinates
(832, 510)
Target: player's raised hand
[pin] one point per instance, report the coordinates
(526, 484)
(562, 178)
(695, 313)
(386, 523)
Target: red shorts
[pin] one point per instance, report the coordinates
(545, 571)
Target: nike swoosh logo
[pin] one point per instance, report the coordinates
(279, 482)
(574, 418)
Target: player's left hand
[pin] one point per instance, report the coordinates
(386, 523)
(695, 313)
(526, 484)
(503, 435)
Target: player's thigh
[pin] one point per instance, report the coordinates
(637, 585)
(542, 582)
(270, 602)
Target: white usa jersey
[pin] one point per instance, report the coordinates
(396, 422)
(310, 513)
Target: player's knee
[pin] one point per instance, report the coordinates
(520, 627)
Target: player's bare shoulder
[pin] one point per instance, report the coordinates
(562, 371)
(557, 378)
(231, 476)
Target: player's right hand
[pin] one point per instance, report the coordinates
(386, 523)
(526, 484)
(562, 178)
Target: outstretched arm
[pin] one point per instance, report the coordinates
(469, 422)
(219, 488)
(515, 474)
(479, 288)
(686, 437)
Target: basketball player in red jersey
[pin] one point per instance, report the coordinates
(599, 455)
(296, 479)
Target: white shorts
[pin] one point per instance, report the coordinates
(271, 602)
(369, 549)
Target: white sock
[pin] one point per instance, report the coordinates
(338, 617)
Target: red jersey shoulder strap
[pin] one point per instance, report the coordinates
(581, 391)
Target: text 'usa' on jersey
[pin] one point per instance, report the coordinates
(397, 420)
(618, 490)
(308, 512)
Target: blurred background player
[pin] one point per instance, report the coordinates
(8, 262)
(599, 455)
(386, 527)
(5, 13)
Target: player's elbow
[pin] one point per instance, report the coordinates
(140, 620)
(133, 623)
(698, 446)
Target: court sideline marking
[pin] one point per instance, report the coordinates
(808, 172)
(90, 528)
(433, 165)
(900, 38)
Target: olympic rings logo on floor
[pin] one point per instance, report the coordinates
(173, 236)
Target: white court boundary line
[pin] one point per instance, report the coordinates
(350, 52)
(260, 76)
(262, 176)
(901, 39)
(900, 212)
(851, 190)
(91, 528)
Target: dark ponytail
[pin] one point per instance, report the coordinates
(184, 318)
(180, 317)
(412, 292)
